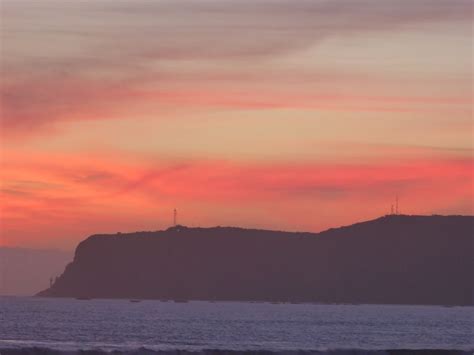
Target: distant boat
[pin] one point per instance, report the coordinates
(83, 298)
(135, 301)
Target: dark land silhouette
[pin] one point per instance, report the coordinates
(394, 259)
(25, 271)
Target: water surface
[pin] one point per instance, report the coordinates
(70, 324)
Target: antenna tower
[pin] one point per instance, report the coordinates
(175, 217)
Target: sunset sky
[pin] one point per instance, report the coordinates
(292, 114)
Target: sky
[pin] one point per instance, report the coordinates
(295, 115)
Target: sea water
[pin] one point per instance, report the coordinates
(108, 325)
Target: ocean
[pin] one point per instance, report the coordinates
(32, 325)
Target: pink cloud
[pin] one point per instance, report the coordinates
(40, 197)
(105, 75)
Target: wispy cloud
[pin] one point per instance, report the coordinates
(103, 189)
(87, 60)
(184, 76)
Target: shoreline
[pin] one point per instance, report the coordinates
(143, 350)
(180, 301)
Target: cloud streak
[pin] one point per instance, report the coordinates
(85, 60)
(59, 195)
(225, 109)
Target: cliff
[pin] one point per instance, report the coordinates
(393, 259)
(25, 271)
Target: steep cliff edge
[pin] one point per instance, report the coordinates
(393, 259)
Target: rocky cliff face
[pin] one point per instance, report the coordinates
(393, 259)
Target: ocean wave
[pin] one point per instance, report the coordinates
(145, 351)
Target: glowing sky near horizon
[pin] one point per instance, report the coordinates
(278, 114)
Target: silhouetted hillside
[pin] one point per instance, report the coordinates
(393, 259)
(24, 272)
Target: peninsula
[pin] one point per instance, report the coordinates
(395, 259)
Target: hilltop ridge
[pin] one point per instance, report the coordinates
(392, 259)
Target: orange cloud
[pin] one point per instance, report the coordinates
(61, 199)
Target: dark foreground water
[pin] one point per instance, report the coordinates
(28, 325)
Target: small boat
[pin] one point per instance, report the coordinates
(135, 301)
(83, 298)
